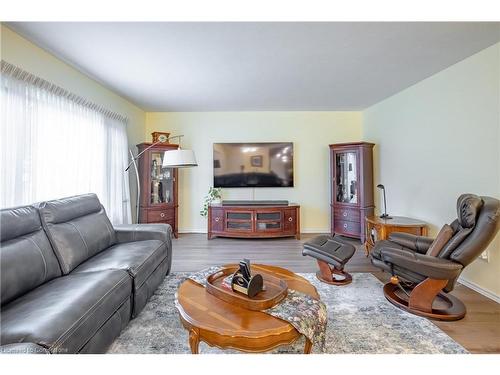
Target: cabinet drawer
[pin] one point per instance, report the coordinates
(347, 227)
(346, 214)
(156, 216)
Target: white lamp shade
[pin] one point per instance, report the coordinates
(179, 159)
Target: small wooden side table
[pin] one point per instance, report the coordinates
(379, 229)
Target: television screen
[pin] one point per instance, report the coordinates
(253, 164)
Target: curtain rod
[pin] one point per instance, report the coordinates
(23, 75)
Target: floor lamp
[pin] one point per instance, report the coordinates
(171, 159)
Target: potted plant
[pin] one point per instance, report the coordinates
(214, 196)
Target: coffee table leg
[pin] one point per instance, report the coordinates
(308, 346)
(194, 340)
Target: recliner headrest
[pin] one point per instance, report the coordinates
(468, 207)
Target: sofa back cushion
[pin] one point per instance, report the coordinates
(77, 227)
(26, 257)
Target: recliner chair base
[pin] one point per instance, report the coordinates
(327, 274)
(455, 310)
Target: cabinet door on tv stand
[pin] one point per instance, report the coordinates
(239, 221)
(290, 220)
(269, 221)
(217, 219)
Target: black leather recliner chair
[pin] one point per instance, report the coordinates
(426, 279)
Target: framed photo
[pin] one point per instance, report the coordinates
(256, 161)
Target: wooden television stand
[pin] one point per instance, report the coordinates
(249, 221)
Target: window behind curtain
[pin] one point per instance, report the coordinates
(53, 146)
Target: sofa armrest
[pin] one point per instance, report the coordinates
(23, 348)
(432, 267)
(420, 244)
(143, 232)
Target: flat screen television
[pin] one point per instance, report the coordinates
(253, 164)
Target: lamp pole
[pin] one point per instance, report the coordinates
(385, 206)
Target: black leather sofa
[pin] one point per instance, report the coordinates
(70, 281)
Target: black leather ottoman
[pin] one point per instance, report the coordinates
(332, 254)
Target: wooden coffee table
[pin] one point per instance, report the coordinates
(223, 325)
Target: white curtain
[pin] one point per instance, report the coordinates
(53, 146)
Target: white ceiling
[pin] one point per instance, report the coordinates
(259, 66)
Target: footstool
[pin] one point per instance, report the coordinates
(332, 254)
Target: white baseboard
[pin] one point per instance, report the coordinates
(202, 231)
(316, 230)
(480, 290)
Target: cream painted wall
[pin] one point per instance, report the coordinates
(311, 133)
(438, 139)
(26, 55)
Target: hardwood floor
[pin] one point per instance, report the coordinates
(478, 332)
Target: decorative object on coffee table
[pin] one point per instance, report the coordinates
(242, 280)
(351, 174)
(379, 229)
(226, 325)
(275, 290)
(332, 251)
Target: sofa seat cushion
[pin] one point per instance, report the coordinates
(378, 261)
(63, 314)
(138, 258)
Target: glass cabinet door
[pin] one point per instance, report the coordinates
(346, 177)
(162, 180)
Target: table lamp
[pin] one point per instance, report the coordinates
(384, 215)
